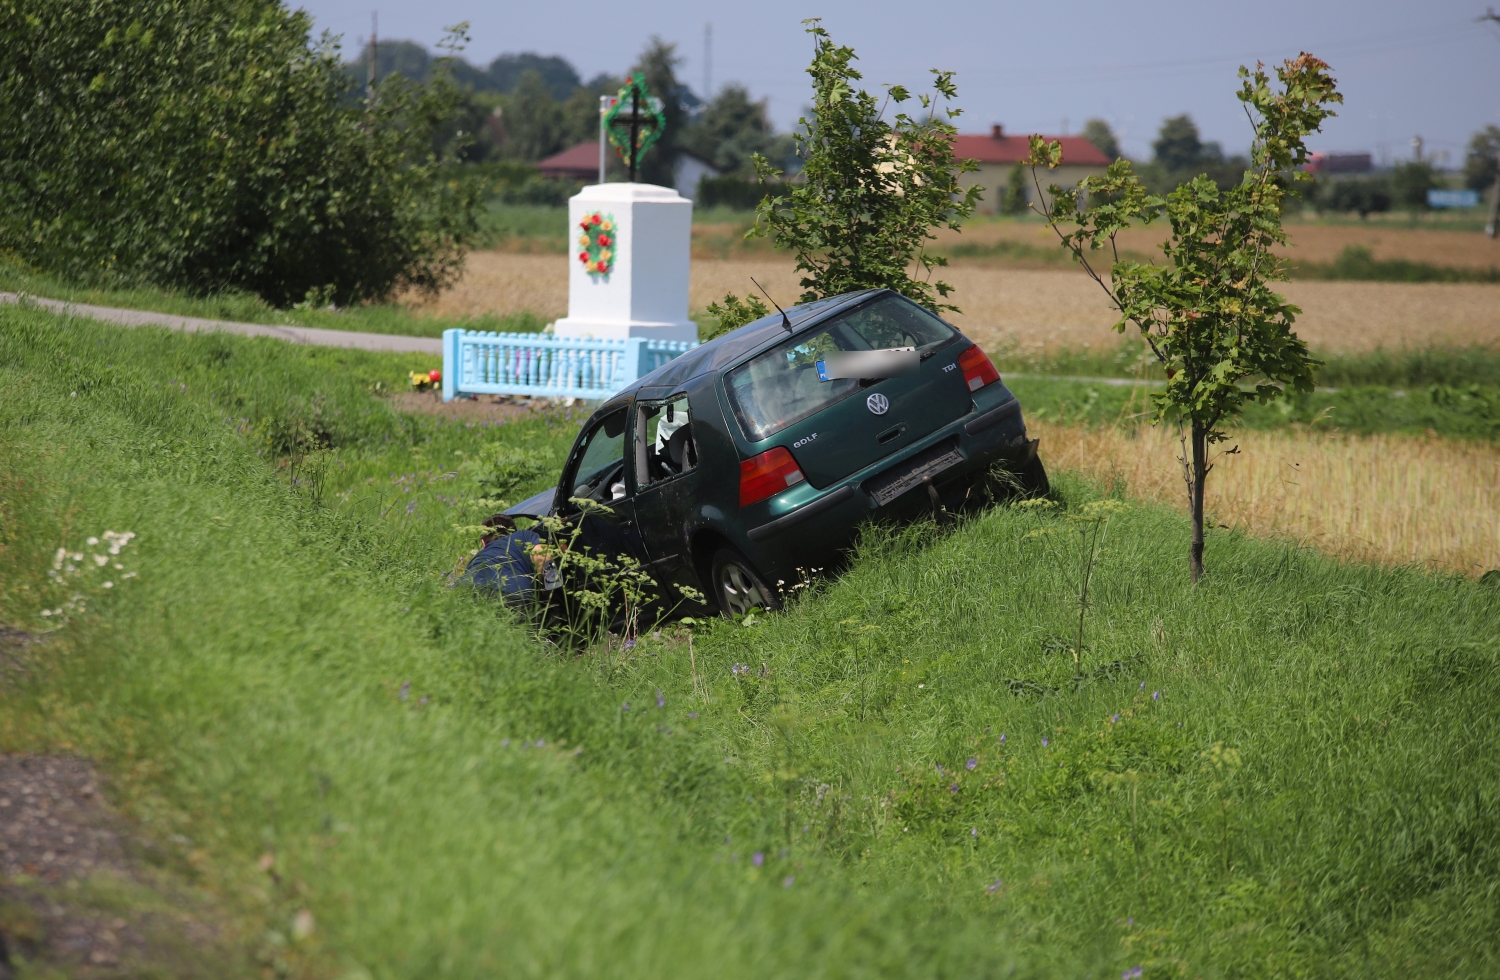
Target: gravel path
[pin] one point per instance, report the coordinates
(297, 335)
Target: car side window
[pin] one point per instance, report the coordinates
(663, 440)
(600, 474)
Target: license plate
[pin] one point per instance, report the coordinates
(887, 486)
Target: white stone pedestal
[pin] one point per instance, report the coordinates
(645, 293)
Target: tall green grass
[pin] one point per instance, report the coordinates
(1289, 770)
(1456, 411)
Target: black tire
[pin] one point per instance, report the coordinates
(737, 586)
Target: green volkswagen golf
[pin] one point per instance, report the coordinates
(755, 457)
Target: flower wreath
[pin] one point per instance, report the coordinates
(597, 247)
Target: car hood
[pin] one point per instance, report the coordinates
(539, 505)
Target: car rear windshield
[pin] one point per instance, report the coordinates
(781, 386)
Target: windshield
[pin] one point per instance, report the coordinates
(781, 386)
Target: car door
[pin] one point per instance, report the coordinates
(664, 468)
(596, 471)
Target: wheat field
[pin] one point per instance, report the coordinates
(1308, 242)
(1384, 498)
(1029, 309)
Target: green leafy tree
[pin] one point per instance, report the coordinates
(1016, 200)
(1178, 146)
(207, 144)
(1097, 132)
(659, 64)
(531, 120)
(873, 188)
(1480, 158)
(1410, 183)
(731, 130)
(733, 313)
(1208, 313)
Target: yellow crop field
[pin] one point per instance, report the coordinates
(1384, 498)
(1034, 309)
(1309, 241)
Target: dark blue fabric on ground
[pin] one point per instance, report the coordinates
(505, 565)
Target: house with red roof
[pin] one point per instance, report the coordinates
(998, 154)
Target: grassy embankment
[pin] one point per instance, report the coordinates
(239, 307)
(1289, 770)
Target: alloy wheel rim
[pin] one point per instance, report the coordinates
(739, 590)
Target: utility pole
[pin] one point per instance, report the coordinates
(708, 61)
(374, 25)
(1492, 226)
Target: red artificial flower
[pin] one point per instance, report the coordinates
(603, 239)
(603, 267)
(434, 375)
(594, 219)
(583, 257)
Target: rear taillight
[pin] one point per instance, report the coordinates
(977, 369)
(767, 475)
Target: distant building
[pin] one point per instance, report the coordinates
(998, 154)
(579, 162)
(1340, 163)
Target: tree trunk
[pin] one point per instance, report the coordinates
(1195, 501)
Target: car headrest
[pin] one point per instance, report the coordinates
(680, 448)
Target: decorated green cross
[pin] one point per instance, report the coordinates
(635, 122)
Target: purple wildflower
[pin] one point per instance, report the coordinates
(629, 643)
(1134, 973)
(692, 714)
(1115, 718)
(505, 743)
(423, 699)
(1044, 743)
(971, 763)
(1155, 695)
(1143, 685)
(1002, 738)
(625, 706)
(973, 831)
(992, 889)
(953, 789)
(661, 702)
(405, 690)
(788, 881)
(758, 858)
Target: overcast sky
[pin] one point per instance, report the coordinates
(1405, 68)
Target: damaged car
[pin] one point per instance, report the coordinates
(756, 457)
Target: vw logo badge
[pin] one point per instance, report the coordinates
(878, 403)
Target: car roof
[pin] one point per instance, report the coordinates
(722, 352)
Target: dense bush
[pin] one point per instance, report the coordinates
(207, 144)
(733, 191)
(1365, 195)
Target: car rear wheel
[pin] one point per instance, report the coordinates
(738, 587)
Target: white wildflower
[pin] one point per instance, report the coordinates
(92, 542)
(101, 560)
(109, 585)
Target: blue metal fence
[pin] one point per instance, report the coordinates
(488, 363)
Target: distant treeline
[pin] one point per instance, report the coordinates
(528, 106)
